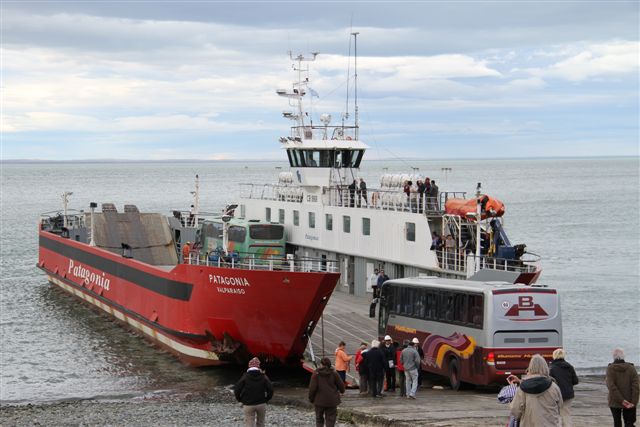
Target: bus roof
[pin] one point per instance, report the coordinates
(242, 221)
(457, 284)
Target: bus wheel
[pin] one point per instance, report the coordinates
(454, 374)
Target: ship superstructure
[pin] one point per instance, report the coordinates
(326, 213)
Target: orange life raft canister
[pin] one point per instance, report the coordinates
(462, 207)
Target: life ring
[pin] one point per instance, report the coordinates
(348, 138)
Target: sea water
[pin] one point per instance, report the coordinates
(580, 215)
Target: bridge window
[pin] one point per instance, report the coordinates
(329, 221)
(366, 226)
(296, 217)
(312, 220)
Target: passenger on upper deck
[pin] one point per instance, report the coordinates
(433, 195)
(352, 193)
(362, 193)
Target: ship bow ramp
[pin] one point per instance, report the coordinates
(147, 234)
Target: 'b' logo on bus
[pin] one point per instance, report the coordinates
(525, 303)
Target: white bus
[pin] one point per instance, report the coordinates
(472, 332)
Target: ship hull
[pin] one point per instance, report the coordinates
(202, 314)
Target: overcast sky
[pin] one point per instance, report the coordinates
(197, 80)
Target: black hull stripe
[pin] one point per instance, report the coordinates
(128, 312)
(160, 285)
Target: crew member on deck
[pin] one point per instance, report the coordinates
(186, 249)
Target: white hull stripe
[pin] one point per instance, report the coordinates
(152, 333)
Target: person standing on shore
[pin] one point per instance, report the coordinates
(622, 382)
(565, 376)
(375, 363)
(254, 390)
(361, 368)
(411, 362)
(538, 401)
(325, 389)
(402, 384)
(389, 351)
(342, 361)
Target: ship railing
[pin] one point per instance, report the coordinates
(298, 133)
(253, 262)
(389, 199)
(54, 221)
(283, 193)
(454, 260)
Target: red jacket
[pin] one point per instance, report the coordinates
(399, 365)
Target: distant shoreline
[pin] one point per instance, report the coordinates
(164, 161)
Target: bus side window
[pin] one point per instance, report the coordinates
(476, 308)
(420, 303)
(460, 313)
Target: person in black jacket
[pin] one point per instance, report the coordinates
(566, 378)
(375, 362)
(389, 351)
(254, 390)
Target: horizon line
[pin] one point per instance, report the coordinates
(27, 161)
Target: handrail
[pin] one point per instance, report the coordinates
(378, 199)
(265, 263)
(457, 261)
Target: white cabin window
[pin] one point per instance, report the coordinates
(296, 217)
(346, 224)
(366, 226)
(312, 220)
(281, 216)
(329, 221)
(267, 214)
(410, 231)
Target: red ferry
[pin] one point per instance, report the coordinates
(209, 308)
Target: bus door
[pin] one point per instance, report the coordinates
(525, 321)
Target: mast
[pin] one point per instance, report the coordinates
(355, 81)
(65, 204)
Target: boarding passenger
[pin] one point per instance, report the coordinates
(622, 382)
(538, 401)
(406, 187)
(325, 388)
(411, 362)
(373, 281)
(375, 362)
(389, 352)
(565, 376)
(254, 390)
(361, 368)
(342, 361)
(400, 368)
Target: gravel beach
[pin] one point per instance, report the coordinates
(217, 408)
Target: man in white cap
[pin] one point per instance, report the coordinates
(411, 362)
(389, 351)
(254, 390)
